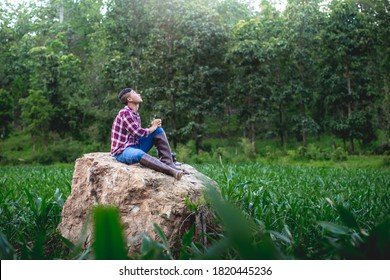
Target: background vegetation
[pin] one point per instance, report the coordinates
(219, 73)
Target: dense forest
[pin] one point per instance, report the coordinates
(222, 69)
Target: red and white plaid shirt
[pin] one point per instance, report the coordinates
(126, 130)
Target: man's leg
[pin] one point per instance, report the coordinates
(146, 143)
(164, 152)
(133, 155)
(153, 163)
(130, 155)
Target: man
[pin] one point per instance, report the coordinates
(130, 143)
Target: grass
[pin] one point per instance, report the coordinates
(352, 162)
(308, 212)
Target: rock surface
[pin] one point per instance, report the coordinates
(143, 196)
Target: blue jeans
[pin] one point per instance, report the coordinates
(133, 154)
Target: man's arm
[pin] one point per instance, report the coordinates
(133, 126)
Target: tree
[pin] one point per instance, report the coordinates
(183, 65)
(200, 71)
(379, 13)
(36, 115)
(15, 28)
(302, 23)
(259, 55)
(278, 72)
(127, 24)
(347, 41)
(250, 93)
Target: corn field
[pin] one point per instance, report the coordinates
(262, 212)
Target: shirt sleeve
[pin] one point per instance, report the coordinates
(134, 127)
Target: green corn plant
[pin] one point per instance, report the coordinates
(154, 250)
(187, 240)
(240, 235)
(7, 251)
(349, 241)
(77, 250)
(164, 240)
(45, 211)
(109, 243)
(270, 198)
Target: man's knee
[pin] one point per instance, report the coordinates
(131, 156)
(138, 155)
(159, 130)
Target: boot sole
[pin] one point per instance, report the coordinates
(178, 175)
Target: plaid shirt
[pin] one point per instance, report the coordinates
(126, 130)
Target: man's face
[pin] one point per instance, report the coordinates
(135, 97)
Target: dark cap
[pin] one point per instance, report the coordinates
(123, 92)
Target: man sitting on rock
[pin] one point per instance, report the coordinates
(130, 143)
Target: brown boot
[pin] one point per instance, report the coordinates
(163, 150)
(153, 163)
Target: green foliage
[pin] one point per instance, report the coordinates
(207, 68)
(36, 113)
(386, 161)
(6, 108)
(347, 43)
(272, 154)
(16, 150)
(339, 155)
(313, 152)
(243, 151)
(247, 149)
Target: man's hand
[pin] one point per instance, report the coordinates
(156, 122)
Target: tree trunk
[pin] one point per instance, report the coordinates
(253, 133)
(302, 105)
(351, 146)
(174, 121)
(33, 138)
(199, 134)
(304, 132)
(61, 12)
(281, 126)
(334, 144)
(171, 83)
(349, 105)
(45, 143)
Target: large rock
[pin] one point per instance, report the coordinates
(143, 196)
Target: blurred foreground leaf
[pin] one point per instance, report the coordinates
(240, 234)
(6, 250)
(109, 242)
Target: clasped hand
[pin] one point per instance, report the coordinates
(156, 122)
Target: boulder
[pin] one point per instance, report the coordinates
(143, 196)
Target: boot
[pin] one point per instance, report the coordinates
(153, 163)
(163, 150)
(175, 162)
